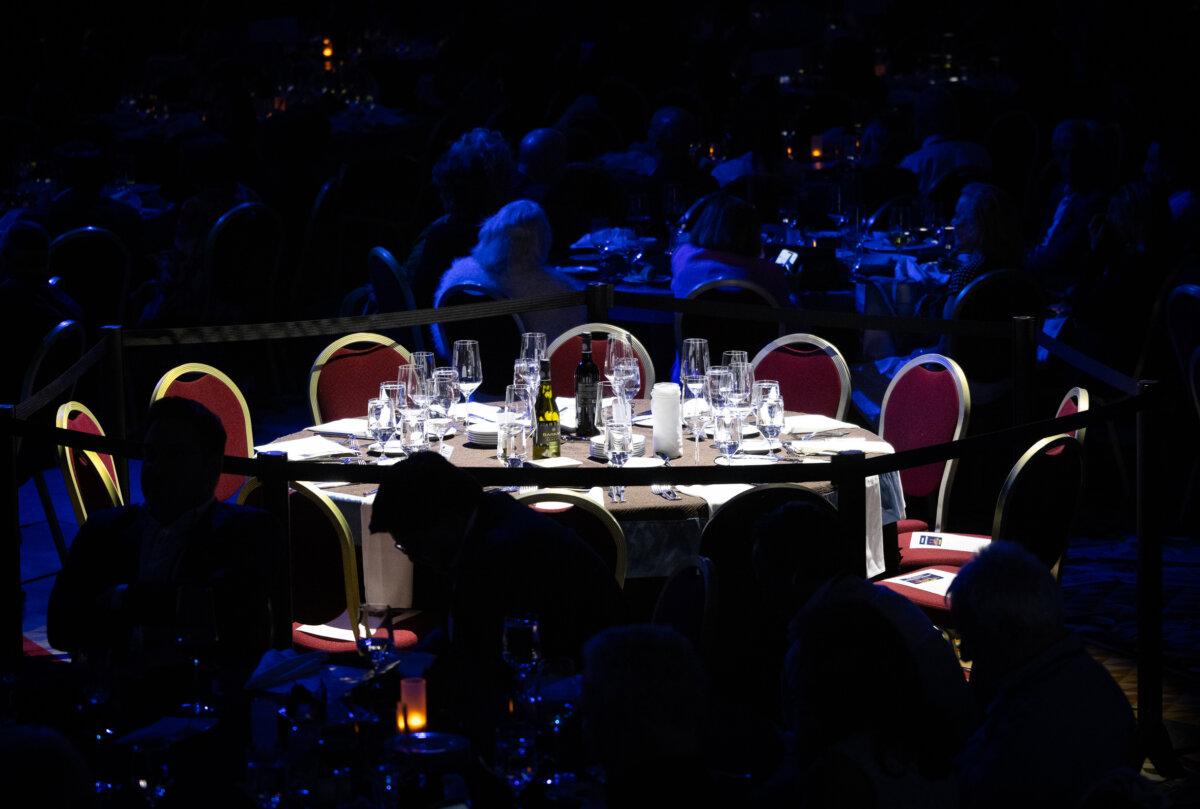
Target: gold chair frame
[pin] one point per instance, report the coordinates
(831, 351)
(589, 505)
(314, 373)
(66, 461)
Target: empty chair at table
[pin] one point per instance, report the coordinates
(348, 372)
(499, 336)
(812, 374)
(565, 350)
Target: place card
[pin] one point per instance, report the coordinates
(928, 579)
(347, 427)
(948, 542)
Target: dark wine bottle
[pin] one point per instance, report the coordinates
(587, 388)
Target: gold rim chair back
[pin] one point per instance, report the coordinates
(565, 349)
(809, 370)
(91, 477)
(212, 388)
(556, 503)
(349, 371)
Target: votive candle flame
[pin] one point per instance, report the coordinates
(411, 713)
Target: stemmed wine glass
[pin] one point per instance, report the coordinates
(693, 360)
(618, 442)
(423, 361)
(617, 349)
(627, 378)
(718, 386)
(443, 393)
(469, 367)
(770, 413)
(527, 372)
(533, 346)
(696, 410)
(381, 421)
(743, 388)
(728, 358)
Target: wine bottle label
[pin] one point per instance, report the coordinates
(585, 408)
(547, 438)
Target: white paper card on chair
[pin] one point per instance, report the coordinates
(348, 427)
(303, 449)
(933, 581)
(813, 422)
(947, 542)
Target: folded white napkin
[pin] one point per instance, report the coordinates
(554, 463)
(568, 416)
(307, 448)
(349, 427)
(832, 445)
(813, 422)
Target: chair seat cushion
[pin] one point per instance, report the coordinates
(908, 526)
(401, 639)
(933, 602)
(914, 558)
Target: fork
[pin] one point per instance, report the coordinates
(667, 490)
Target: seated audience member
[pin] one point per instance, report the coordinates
(473, 178)
(880, 178)
(942, 152)
(1170, 171)
(645, 709)
(540, 162)
(85, 171)
(45, 761)
(876, 699)
(182, 564)
(509, 261)
(1062, 250)
(725, 242)
(29, 306)
(501, 557)
(1056, 724)
(988, 235)
(1131, 261)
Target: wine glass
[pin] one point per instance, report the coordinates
(693, 360)
(443, 393)
(516, 757)
(743, 388)
(527, 372)
(394, 393)
(618, 443)
(533, 346)
(423, 361)
(718, 385)
(696, 411)
(727, 432)
(730, 357)
(770, 414)
(628, 378)
(448, 375)
(618, 349)
(609, 407)
(380, 421)
(469, 367)
(416, 385)
(521, 646)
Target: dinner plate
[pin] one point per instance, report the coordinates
(759, 446)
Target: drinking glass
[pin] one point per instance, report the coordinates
(423, 361)
(411, 430)
(727, 432)
(512, 444)
(521, 646)
(730, 357)
(469, 367)
(443, 394)
(718, 385)
(743, 388)
(380, 421)
(518, 401)
(618, 443)
(617, 349)
(516, 757)
(527, 372)
(627, 378)
(770, 414)
(394, 393)
(610, 407)
(447, 376)
(533, 346)
(417, 386)
(693, 360)
(695, 409)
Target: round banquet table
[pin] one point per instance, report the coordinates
(660, 534)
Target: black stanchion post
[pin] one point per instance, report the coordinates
(114, 394)
(847, 475)
(12, 597)
(275, 500)
(599, 300)
(1024, 357)
(1151, 729)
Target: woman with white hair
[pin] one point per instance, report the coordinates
(509, 261)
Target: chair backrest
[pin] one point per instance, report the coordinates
(349, 371)
(241, 262)
(897, 212)
(1076, 401)
(392, 290)
(1183, 323)
(588, 519)
(62, 346)
(216, 391)
(812, 374)
(993, 297)
(687, 603)
(91, 477)
(499, 336)
(725, 334)
(92, 266)
(324, 560)
(1038, 501)
(927, 402)
(566, 349)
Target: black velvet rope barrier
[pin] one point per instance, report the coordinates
(1090, 366)
(63, 381)
(783, 472)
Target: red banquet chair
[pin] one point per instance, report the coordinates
(1035, 509)
(91, 477)
(1076, 401)
(813, 375)
(927, 402)
(326, 605)
(565, 350)
(348, 372)
(216, 391)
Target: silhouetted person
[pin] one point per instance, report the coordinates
(473, 178)
(85, 170)
(1055, 722)
(31, 754)
(181, 565)
(645, 710)
(501, 559)
(876, 699)
(540, 162)
(942, 151)
(29, 306)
